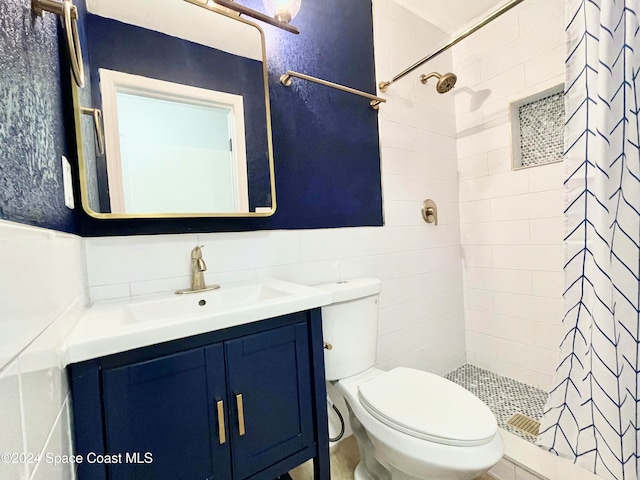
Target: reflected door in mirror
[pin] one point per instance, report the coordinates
(172, 148)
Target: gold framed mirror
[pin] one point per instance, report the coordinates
(175, 118)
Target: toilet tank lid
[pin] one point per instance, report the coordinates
(345, 290)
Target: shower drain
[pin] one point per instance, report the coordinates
(525, 424)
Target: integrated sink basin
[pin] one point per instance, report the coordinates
(114, 326)
(234, 298)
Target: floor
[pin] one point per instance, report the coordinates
(344, 459)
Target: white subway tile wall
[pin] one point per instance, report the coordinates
(38, 311)
(511, 221)
(11, 440)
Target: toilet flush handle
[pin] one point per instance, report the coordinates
(327, 345)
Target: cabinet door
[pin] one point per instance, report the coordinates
(269, 384)
(168, 407)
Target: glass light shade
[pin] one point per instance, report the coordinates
(282, 10)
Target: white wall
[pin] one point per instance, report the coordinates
(421, 307)
(417, 137)
(43, 291)
(511, 221)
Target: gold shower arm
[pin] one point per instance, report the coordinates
(375, 102)
(505, 8)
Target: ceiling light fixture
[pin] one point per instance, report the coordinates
(283, 12)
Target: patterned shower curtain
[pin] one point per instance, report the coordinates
(593, 411)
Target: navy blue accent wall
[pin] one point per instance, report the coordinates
(126, 48)
(326, 149)
(326, 143)
(32, 137)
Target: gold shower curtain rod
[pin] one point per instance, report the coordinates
(505, 8)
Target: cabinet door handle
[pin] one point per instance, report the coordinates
(240, 406)
(221, 430)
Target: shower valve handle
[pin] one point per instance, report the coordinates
(430, 211)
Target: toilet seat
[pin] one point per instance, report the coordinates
(404, 399)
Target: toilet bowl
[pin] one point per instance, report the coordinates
(409, 424)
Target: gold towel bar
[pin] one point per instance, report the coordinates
(286, 81)
(69, 13)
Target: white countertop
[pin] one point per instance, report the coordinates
(114, 326)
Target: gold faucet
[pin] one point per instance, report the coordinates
(198, 267)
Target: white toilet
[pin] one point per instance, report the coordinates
(409, 424)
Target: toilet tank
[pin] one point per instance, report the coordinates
(350, 325)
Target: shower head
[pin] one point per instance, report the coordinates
(445, 82)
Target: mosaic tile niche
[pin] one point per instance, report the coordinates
(538, 129)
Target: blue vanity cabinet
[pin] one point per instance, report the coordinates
(244, 403)
(272, 415)
(161, 417)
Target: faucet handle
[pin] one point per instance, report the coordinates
(196, 256)
(196, 253)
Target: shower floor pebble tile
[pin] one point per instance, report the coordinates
(503, 396)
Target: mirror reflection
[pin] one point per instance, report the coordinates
(185, 109)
